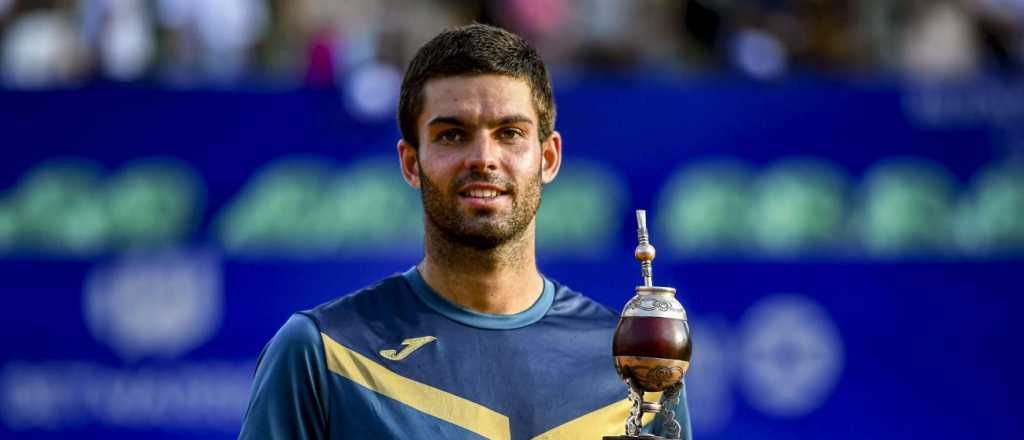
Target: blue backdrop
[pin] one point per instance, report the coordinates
(159, 340)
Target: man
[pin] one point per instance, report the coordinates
(473, 342)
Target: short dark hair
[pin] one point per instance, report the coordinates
(474, 49)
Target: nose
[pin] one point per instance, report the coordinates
(483, 154)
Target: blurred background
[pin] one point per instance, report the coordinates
(836, 187)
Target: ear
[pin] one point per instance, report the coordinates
(551, 157)
(410, 163)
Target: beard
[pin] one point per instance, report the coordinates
(482, 230)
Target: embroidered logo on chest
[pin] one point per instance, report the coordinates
(408, 346)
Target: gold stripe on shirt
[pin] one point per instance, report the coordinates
(446, 406)
(610, 420)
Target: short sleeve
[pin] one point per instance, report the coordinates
(682, 416)
(288, 398)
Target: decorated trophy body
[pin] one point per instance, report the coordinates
(651, 346)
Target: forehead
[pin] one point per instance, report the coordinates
(477, 98)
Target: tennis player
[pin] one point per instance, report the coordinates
(474, 341)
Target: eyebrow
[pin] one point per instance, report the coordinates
(515, 119)
(450, 120)
(507, 120)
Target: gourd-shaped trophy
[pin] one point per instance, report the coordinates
(651, 346)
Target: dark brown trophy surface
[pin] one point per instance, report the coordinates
(653, 352)
(653, 337)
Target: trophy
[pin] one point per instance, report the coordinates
(651, 347)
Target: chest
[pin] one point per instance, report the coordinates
(457, 382)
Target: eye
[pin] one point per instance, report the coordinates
(510, 133)
(450, 136)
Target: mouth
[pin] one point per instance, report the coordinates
(482, 195)
(481, 191)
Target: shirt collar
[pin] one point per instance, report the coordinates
(477, 319)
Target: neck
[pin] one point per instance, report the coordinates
(503, 280)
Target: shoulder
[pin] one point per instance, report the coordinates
(364, 319)
(571, 303)
(296, 342)
(290, 380)
(374, 301)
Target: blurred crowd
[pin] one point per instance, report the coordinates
(53, 43)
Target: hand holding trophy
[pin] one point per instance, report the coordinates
(651, 346)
